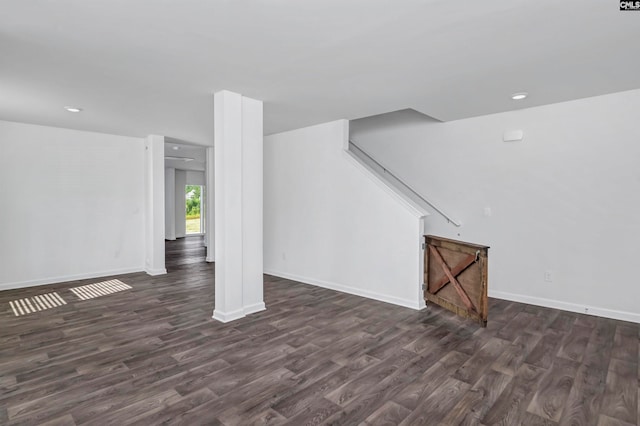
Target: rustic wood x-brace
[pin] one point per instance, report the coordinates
(450, 277)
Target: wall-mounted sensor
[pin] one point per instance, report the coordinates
(513, 136)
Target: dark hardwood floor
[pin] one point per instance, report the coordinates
(153, 355)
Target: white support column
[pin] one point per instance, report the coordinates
(210, 208)
(238, 206)
(252, 184)
(169, 203)
(154, 205)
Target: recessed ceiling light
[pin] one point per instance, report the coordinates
(175, 148)
(519, 96)
(73, 109)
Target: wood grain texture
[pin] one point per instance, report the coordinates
(153, 355)
(389, 414)
(625, 344)
(544, 352)
(553, 390)
(513, 356)
(575, 343)
(436, 407)
(511, 406)
(609, 421)
(585, 399)
(478, 400)
(471, 371)
(621, 392)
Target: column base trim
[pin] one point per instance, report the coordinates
(228, 316)
(252, 309)
(154, 272)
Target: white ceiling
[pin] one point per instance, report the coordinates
(150, 66)
(195, 154)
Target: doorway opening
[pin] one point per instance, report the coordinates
(194, 208)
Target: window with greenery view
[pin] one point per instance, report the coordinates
(193, 199)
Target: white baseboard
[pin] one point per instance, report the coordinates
(565, 306)
(413, 304)
(210, 259)
(228, 316)
(66, 278)
(154, 272)
(256, 307)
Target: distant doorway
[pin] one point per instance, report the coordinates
(194, 208)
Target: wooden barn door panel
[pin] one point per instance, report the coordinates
(456, 277)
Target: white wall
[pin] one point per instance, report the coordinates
(180, 203)
(329, 222)
(154, 205)
(71, 204)
(170, 203)
(195, 178)
(209, 205)
(565, 199)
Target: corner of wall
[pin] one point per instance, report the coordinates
(348, 203)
